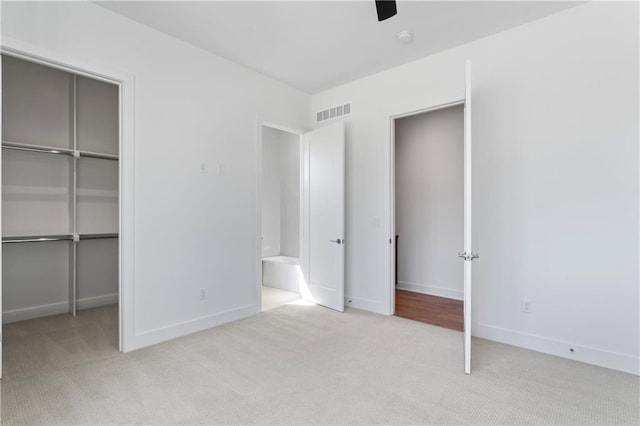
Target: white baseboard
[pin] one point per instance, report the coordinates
(603, 358)
(431, 290)
(32, 312)
(366, 305)
(145, 338)
(94, 302)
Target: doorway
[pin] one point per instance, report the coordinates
(429, 216)
(61, 251)
(301, 252)
(280, 217)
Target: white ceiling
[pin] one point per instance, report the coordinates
(318, 45)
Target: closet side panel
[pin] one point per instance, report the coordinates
(97, 192)
(97, 196)
(35, 193)
(35, 278)
(97, 272)
(36, 104)
(97, 116)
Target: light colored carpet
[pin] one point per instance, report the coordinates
(301, 365)
(274, 298)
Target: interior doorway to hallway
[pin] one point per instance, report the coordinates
(429, 209)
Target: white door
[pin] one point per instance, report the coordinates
(468, 254)
(323, 235)
(1, 138)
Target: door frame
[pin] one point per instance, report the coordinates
(276, 125)
(391, 308)
(126, 84)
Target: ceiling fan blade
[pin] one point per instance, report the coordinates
(386, 9)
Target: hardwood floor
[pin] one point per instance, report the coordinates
(433, 310)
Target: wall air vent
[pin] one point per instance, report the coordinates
(334, 112)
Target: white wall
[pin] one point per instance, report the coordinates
(280, 193)
(271, 192)
(555, 128)
(290, 192)
(429, 154)
(195, 226)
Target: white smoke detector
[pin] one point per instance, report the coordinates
(405, 37)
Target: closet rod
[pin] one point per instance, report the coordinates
(37, 239)
(98, 155)
(97, 236)
(44, 150)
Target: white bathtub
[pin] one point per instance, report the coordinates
(281, 272)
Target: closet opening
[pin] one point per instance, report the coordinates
(428, 216)
(280, 216)
(60, 217)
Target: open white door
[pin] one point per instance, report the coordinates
(1, 311)
(323, 236)
(468, 254)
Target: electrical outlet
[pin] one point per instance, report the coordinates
(203, 293)
(526, 306)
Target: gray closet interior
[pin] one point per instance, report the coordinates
(60, 143)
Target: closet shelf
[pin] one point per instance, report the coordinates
(62, 237)
(56, 150)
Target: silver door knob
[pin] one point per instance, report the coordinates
(338, 241)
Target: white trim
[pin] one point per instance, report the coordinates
(265, 122)
(23, 314)
(304, 210)
(390, 301)
(431, 108)
(281, 127)
(432, 290)
(95, 301)
(126, 82)
(375, 306)
(46, 60)
(32, 312)
(600, 357)
(468, 247)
